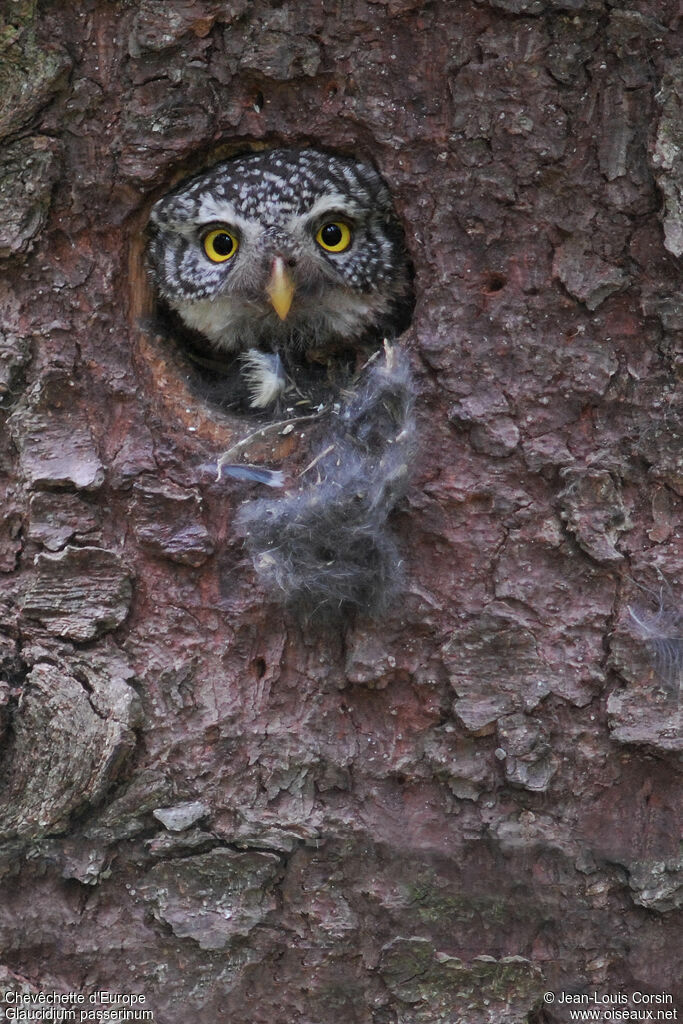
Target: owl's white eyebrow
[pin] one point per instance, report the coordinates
(333, 202)
(220, 211)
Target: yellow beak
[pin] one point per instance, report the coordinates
(280, 288)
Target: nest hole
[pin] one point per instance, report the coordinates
(189, 369)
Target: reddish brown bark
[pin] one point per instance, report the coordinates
(436, 816)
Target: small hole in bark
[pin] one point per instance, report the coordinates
(494, 282)
(258, 102)
(401, 779)
(259, 667)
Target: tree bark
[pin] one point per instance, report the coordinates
(441, 814)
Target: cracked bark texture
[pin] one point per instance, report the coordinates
(440, 815)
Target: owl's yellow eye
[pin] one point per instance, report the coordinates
(220, 245)
(334, 237)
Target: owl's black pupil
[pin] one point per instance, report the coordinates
(223, 244)
(331, 234)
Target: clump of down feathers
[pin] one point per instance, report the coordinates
(326, 547)
(662, 630)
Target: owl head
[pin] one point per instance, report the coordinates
(292, 250)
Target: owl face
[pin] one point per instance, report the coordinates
(285, 248)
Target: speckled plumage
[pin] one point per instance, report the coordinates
(275, 202)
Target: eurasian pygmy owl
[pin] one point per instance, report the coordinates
(281, 253)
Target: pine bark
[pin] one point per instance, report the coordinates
(443, 813)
